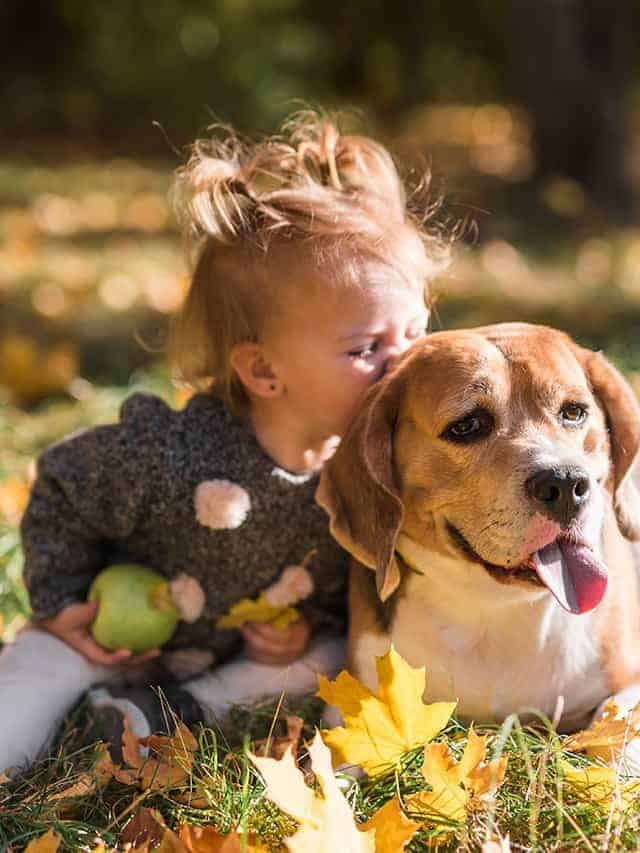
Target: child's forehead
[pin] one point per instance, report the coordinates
(315, 274)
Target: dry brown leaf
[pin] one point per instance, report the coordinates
(195, 797)
(393, 828)
(276, 747)
(85, 784)
(47, 843)
(146, 826)
(168, 766)
(606, 736)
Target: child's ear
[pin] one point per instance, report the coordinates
(254, 370)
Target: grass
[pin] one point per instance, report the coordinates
(534, 806)
(87, 260)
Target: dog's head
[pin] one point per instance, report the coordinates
(496, 445)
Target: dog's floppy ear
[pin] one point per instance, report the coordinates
(358, 490)
(623, 419)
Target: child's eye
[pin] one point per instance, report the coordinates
(364, 351)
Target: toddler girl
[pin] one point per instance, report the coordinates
(310, 277)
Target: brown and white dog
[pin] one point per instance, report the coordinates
(485, 491)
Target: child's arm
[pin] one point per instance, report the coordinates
(90, 490)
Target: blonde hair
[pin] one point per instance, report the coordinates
(243, 206)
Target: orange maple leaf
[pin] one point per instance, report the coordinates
(47, 843)
(393, 829)
(458, 787)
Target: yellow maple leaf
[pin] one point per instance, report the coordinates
(458, 787)
(393, 828)
(607, 735)
(379, 729)
(258, 610)
(47, 843)
(602, 786)
(326, 821)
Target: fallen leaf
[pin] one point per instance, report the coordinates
(380, 729)
(602, 786)
(258, 610)
(14, 496)
(168, 766)
(207, 839)
(458, 787)
(47, 843)
(606, 736)
(393, 829)
(84, 784)
(275, 747)
(145, 826)
(326, 821)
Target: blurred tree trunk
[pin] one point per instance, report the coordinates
(572, 60)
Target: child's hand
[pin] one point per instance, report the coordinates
(265, 643)
(72, 625)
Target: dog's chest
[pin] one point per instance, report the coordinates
(494, 651)
(499, 663)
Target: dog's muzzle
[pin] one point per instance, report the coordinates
(559, 493)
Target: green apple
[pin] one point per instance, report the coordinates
(135, 608)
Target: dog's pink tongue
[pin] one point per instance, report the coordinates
(573, 573)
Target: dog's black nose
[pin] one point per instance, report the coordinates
(559, 493)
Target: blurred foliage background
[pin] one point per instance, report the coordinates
(526, 111)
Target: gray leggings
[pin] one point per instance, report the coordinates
(41, 678)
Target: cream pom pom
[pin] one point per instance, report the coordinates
(294, 584)
(188, 596)
(221, 504)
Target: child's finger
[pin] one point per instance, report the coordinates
(272, 638)
(97, 654)
(257, 639)
(266, 631)
(78, 615)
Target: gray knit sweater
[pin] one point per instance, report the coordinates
(126, 491)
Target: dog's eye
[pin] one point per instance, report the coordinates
(473, 426)
(573, 414)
